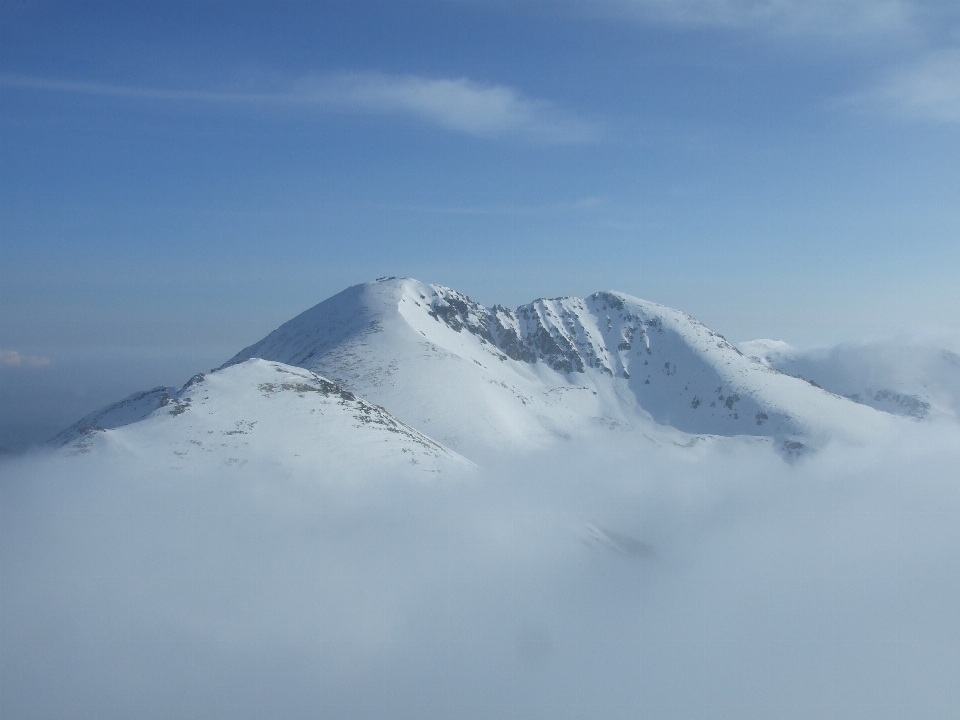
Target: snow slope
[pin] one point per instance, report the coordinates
(258, 411)
(480, 379)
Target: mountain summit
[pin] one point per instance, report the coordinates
(478, 378)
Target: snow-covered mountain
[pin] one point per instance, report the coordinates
(479, 378)
(401, 370)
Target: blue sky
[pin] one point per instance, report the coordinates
(178, 179)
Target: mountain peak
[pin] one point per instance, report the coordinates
(479, 379)
(475, 376)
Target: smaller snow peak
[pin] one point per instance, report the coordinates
(288, 410)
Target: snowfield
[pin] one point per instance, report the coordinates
(262, 411)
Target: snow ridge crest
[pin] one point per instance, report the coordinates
(569, 334)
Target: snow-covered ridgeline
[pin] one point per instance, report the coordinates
(475, 376)
(455, 378)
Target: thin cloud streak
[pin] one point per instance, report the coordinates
(459, 104)
(14, 359)
(788, 17)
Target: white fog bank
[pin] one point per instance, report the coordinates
(599, 581)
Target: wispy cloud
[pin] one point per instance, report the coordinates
(12, 358)
(457, 104)
(928, 89)
(822, 17)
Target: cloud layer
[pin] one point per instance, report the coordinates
(457, 104)
(620, 581)
(821, 17)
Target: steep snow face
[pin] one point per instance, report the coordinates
(478, 378)
(899, 375)
(259, 411)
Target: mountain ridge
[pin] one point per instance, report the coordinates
(474, 380)
(399, 341)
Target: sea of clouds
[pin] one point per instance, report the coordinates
(623, 579)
